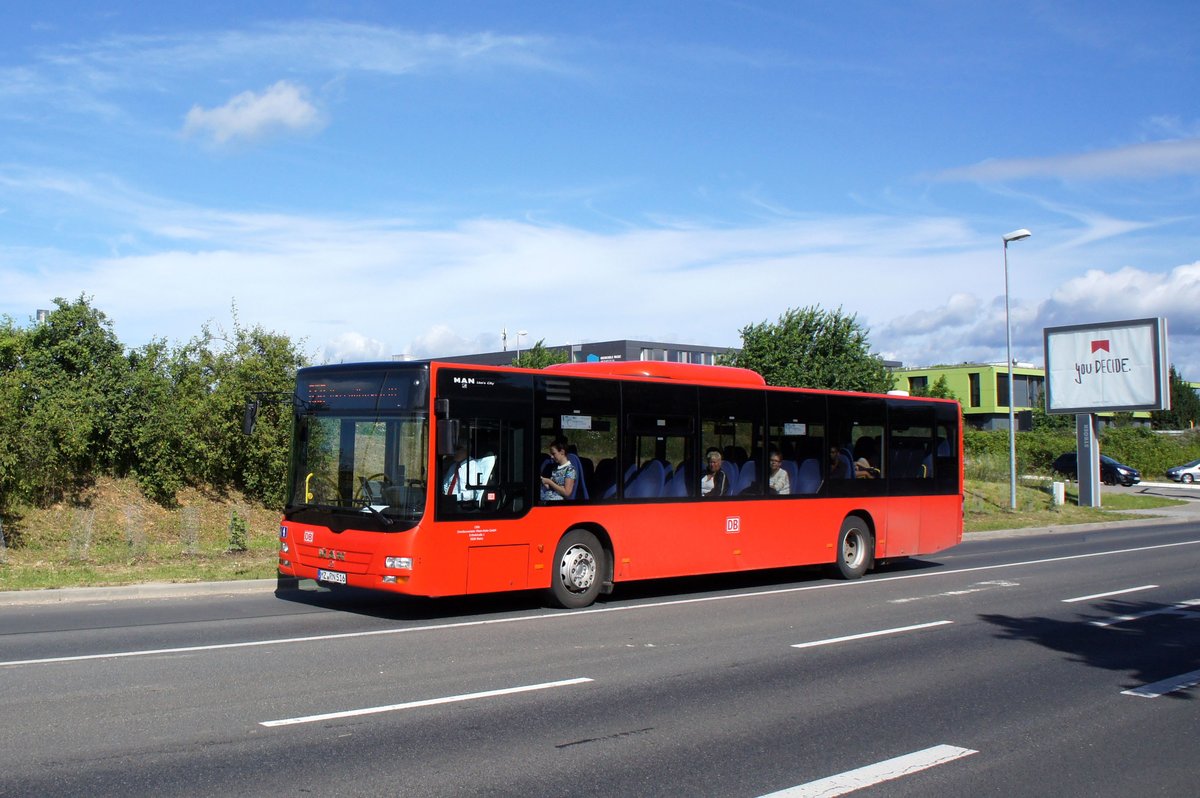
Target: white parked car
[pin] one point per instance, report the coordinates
(1187, 473)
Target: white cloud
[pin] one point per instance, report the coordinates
(1128, 293)
(92, 77)
(1147, 160)
(282, 107)
(929, 288)
(351, 347)
(969, 330)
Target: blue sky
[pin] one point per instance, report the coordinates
(412, 178)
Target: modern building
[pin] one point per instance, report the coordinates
(983, 390)
(608, 351)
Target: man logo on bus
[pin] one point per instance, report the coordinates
(464, 380)
(733, 524)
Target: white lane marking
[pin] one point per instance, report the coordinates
(856, 584)
(428, 702)
(978, 587)
(880, 633)
(878, 773)
(1181, 609)
(1109, 593)
(1170, 685)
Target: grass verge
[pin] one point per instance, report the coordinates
(986, 506)
(114, 536)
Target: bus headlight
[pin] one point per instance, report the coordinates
(283, 546)
(399, 563)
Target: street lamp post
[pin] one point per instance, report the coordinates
(1015, 235)
(520, 334)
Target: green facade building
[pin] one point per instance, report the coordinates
(982, 389)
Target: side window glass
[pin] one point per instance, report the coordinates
(658, 456)
(910, 447)
(796, 438)
(582, 415)
(659, 448)
(732, 437)
(946, 447)
(857, 456)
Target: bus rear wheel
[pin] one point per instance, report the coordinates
(578, 570)
(854, 548)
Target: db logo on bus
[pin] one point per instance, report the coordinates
(733, 524)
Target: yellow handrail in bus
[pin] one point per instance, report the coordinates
(308, 496)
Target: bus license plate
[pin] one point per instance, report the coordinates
(337, 577)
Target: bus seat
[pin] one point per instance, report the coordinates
(580, 490)
(678, 485)
(605, 483)
(790, 467)
(808, 477)
(648, 484)
(845, 465)
(731, 473)
(746, 477)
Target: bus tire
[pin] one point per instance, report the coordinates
(855, 546)
(577, 572)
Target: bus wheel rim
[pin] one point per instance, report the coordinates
(853, 549)
(577, 569)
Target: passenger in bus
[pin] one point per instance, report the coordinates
(867, 452)
(864, 470)
(714, 482)
(840, 465)
(778, 482)
(561, 482)
(454, 483)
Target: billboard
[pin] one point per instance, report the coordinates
(1113, 366)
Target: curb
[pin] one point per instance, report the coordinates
(149, 590)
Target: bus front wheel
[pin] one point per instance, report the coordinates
(578, 570)
(854, 548)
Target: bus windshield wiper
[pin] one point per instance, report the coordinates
(379, 514)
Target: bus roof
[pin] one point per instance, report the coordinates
(685, 372)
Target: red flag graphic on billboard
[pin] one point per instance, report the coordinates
(1098, 345)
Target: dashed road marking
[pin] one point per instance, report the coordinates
(878, 773)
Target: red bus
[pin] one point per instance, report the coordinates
(426, 478)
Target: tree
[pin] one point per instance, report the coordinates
(214, 375)
(73, 379)
(812, 348)
(1185, 406)
(538, 356)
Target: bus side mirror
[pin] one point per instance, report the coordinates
(447, 436)
(441, 408)
(250, 418)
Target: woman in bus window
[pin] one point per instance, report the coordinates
(714, 482)
(561, 482)
(778, 482)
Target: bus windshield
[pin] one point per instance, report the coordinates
(361, 447)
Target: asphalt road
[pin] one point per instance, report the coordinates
(1053, 664)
